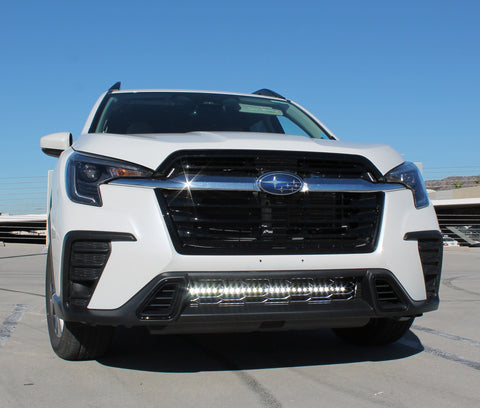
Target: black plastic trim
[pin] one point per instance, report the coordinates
(178, 281)
(362, 307)
(52, 152)
(115, 87)
(268, 92)
(422, 235)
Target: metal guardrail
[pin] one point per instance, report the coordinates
(23, 229)
(19, 196)
(23, 236)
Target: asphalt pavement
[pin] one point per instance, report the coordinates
(436, 364)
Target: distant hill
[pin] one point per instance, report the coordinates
(451, 183)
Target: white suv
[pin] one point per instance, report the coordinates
(193, 211)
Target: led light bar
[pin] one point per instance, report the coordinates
(226, 291)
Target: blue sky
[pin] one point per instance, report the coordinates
(405, 73)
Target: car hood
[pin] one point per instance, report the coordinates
(151, 150)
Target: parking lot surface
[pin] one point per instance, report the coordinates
(437, 364)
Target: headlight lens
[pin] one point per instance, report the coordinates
(409, 175)
(85, 173)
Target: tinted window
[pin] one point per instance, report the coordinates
(175, 112)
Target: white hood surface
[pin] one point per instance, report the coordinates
(150, 150)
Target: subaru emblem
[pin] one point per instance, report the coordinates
(280, 183)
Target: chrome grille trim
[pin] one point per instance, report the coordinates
(250, 184)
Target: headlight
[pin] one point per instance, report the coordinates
(409, 175)
(86, 172)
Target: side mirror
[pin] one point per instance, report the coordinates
(55, 143)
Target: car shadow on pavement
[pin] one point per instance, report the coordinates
(136, 349)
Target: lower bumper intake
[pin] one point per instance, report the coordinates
(250, 301)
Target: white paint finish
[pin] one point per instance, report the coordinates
(131, 264)
(59, 141)
(150, 150)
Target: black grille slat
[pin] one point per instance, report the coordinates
(91, 247)
(84, 274)
(279, 221)
(89, 259)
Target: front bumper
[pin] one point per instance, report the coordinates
(166, 302)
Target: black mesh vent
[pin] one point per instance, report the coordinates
(210, 222)
(250, 163)
(87, 261)
(431, 251)
(162, 304)
(386, 296)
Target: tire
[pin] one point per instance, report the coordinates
(376, 332)
(71, 340)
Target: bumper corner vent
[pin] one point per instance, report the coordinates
(386, 296)
(162, 304)
(431, 254)
(87, 262)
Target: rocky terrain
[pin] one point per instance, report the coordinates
(453, 182)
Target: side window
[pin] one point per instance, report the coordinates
(291, 128)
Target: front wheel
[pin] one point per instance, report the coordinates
(70, 340)
(376, 332)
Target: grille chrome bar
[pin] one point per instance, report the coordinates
(195, 183)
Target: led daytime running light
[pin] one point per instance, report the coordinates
(265, 290)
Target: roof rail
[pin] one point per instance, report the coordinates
(268, 92)
(115, 86)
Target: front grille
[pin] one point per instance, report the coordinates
(220, 222)
(254, 222)
(251, 163)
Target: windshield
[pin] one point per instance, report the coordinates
(182, 112)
